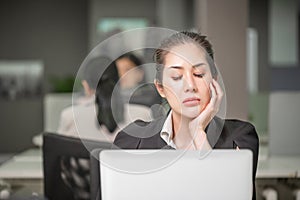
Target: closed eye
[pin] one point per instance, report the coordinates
(199, 75)
(175, 78)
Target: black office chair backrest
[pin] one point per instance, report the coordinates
(66, 166)
(95, 175)
(145, 95)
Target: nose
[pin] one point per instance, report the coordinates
(189, 84)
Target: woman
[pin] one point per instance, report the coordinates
(97, 115)
(112, 113)
(126, 63)
(134, 88)
(186, 78)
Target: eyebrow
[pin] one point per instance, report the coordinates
(180, 67)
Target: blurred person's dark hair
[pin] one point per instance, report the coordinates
(93, 70)
(110, 109)
(132, 57)
(142, 93)
(136, 60)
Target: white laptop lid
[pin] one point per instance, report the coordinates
(170, 174)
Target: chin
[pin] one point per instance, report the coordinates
(191, 113)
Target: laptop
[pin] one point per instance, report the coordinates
(176, 174)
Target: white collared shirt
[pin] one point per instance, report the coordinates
(167, 131)
(167, 134)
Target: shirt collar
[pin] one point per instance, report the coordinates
(167, 131)
(86, 100)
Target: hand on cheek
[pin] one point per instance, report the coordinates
(198, 125)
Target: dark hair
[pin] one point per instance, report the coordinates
(108, 98)
(93, 69)
(133, 58)
(183, 37)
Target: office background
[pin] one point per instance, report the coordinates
(60, 33)
(256, 43)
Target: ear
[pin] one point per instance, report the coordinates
(159, 88)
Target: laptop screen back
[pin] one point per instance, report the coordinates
(169, 174)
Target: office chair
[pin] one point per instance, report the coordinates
(66, 166)
(95, 175)
(147, 95)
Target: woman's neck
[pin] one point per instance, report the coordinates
(181, 132)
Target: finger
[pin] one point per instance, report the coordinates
(213, 94)
(218, 88)
(201, 142)
(210, 106)
(219, 92)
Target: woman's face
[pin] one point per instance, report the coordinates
(185, 80)
(129, 74)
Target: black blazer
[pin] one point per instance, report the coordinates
(221, 134)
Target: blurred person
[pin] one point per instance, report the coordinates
(91, 116)
(97, 116)
(129, 63)
(134, 88)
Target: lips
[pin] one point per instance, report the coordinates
(193, 101)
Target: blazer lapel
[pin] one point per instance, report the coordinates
(214, 131)
(153, 139)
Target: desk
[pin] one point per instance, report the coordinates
(26, 165)
(279, 167)
(278, 176)
(24, 169)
